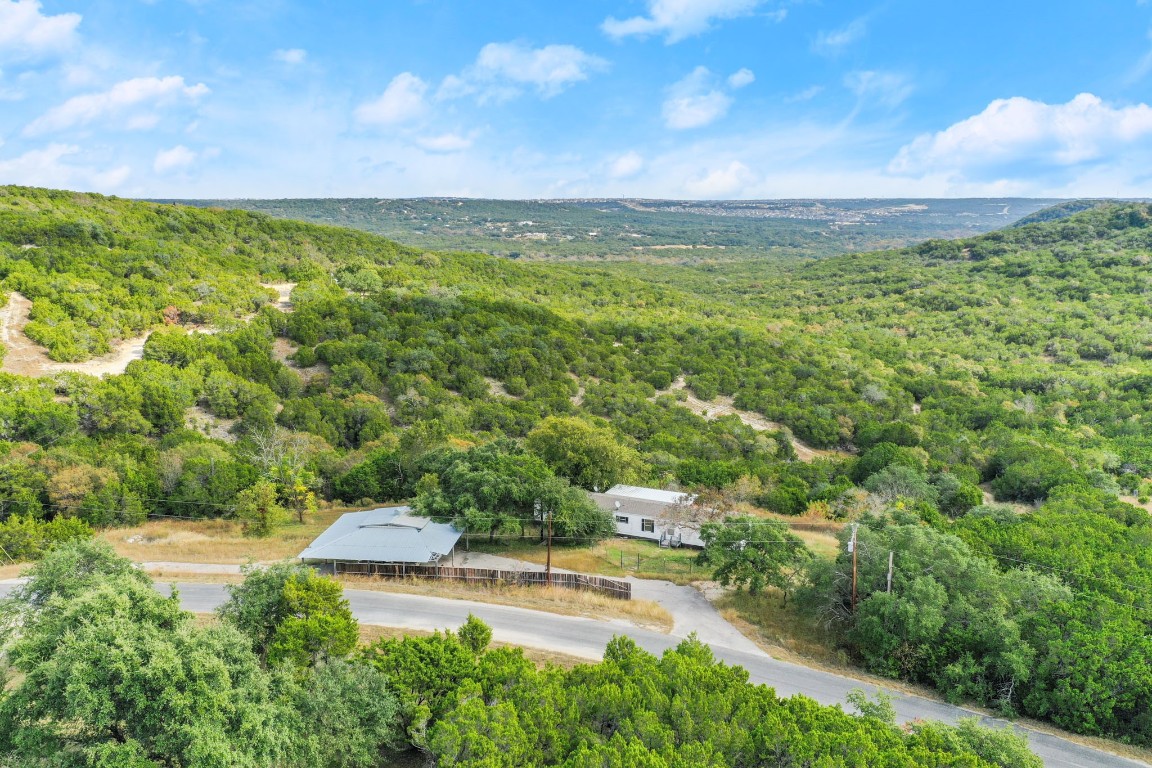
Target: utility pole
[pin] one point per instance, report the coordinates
(890, 554)
(852, 549)
(548, 566)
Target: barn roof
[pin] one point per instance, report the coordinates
(388, 535)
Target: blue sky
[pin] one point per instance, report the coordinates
(640, 98)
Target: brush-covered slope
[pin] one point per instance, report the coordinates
(1015, 365)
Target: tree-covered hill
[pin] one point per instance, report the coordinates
(1060, 211)
(1014, 364)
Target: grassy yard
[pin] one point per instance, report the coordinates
(613, 557)
(214, 541)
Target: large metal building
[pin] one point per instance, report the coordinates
(388, 535)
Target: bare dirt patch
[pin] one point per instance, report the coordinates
(496, 388)
(24, 357)
(1147, 506)
(283, 295)
(206, 424)
(283, 348)
(723, 406)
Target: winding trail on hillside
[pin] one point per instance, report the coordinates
(724, 406)
(25, 357)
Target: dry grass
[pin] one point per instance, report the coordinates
(782, 632)
(172, 575)
(613, 557)
(214, 541)
(568, 602)
(13, 571)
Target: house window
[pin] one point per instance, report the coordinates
(648, 526)
(622, 519)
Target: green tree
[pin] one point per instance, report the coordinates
(112, 673)
(291, 614)
(752, 552)
(588, 454)
(342, 714)
(259, 510)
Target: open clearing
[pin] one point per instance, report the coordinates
(214, 541)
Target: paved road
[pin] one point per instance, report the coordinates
(587, 637)
(691, 611)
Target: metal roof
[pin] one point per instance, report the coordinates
(649, 494)
(388, 535)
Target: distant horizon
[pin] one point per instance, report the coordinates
(630, 199)
(608, 99)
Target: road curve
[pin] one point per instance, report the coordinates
(586, 638)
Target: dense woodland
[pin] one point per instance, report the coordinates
(1015, 363)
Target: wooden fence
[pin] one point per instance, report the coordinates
(621, 590)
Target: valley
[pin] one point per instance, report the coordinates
(976, 407)
(584, 229)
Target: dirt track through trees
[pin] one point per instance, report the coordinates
(723, 406)
(25, 357)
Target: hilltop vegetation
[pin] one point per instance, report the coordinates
(677, 231)
(1015, 364)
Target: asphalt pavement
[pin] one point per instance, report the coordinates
(586, 638)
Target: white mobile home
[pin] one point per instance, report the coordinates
(650, 513)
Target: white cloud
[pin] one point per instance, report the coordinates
(627, 165)
(722, 182)
(695, 101)
(741, 78)
(402, 101)
(831, 43)
(444, 143)
(680, 19)
(290, 55)
(81, 110)
(26, 33)
(176, 159)
(888, 89)
(9, 94)
(45, 168)
(807, 94)
(1019, 130)
(550, 69)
